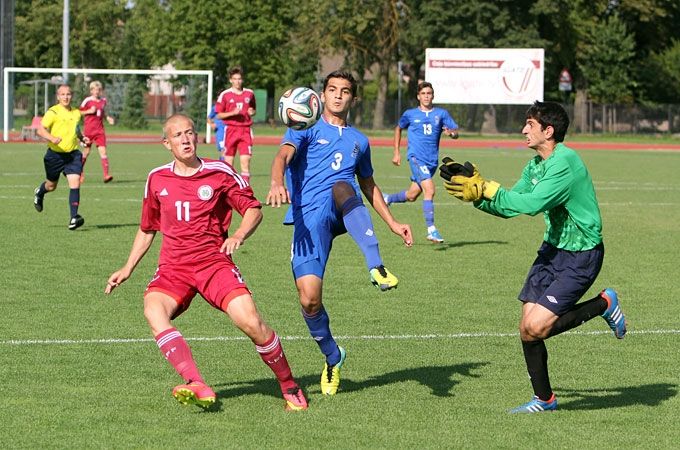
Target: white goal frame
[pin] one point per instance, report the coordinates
(7, 70)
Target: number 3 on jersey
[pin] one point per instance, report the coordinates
(335, 165)
(182, 210)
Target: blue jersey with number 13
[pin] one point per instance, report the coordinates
(424, 130)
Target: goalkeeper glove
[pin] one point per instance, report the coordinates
(471, 188)
(450, 168)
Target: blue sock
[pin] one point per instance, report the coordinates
(74, 201)
(358, 223)
(428, 212)
(319, 328)
(399, 197)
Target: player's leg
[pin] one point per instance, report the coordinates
(407, 195)
(318, 322)
(73, 170)
(230, 144)
(54, 165)
(358, 223)
(242, 311)
(159, 309)
(536, 321)
(245, 151)
(428, 211)
(103, 157)
(86, 153)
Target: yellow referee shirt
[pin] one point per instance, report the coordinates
(62, 122)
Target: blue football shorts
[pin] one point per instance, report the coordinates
(313, 238)
(56, 163)
(559, 278)
(420, 171)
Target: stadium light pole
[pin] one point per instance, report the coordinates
(64, 36)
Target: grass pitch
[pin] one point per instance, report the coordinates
(435, 364)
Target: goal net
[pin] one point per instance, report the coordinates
(135, 98)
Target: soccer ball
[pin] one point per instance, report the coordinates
(299, 108)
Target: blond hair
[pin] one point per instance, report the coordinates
(95, 84)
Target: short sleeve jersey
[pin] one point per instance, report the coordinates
(325, 154)
(94, 123)
(62, 122)
(219, 124)
(561, 188)
(194, 212)
(228, 100)
(424, 131)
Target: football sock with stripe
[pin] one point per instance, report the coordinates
(579, 314)
(273, 356)
(176, 350)
(428, 212)
(319, 327)
(74, 201)
(536, 357)
(358, 223)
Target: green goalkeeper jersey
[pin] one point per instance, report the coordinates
(561, 188)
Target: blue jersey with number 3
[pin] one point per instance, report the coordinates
(324, 155)
(424, 130)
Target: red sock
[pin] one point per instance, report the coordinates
(105, 166)
(177, 352)
(272, 354)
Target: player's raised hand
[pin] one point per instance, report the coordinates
(277, 195)
(116, 279)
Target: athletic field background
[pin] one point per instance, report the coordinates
(434, 364)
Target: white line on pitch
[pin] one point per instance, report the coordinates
(406, 337)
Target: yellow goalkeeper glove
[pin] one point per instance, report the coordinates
(473, 188)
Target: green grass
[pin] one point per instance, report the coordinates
(435, 364)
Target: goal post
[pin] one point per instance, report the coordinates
(171, 74)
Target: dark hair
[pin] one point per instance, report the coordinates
(344, 74)
(235, 70)
(424, 84)
(550, 114)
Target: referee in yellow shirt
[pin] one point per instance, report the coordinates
(59, 126)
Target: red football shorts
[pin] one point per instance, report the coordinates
(218, 281)
(238, 138)
(98, 139)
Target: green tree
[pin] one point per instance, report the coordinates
(605, 59)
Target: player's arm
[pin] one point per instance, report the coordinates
(451, 132)
(140, 246)
(249, 223)
(374, 196)
(45, 134)
(278, 193)
(396, 157)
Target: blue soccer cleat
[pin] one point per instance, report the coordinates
(435, 237)
(613, 314)
(330, 377)
(536, 405)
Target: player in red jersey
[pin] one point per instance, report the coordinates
(190, 201)
(92, 108)
(236, 107)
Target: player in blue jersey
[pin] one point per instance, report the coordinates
(425, 125)
(219, 127)
(326, 167)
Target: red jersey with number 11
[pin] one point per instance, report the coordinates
(194, 212)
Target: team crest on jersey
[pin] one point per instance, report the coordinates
(355, 150)
(437, 119)
(205, 192)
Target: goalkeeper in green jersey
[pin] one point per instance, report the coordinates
(556, 183)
